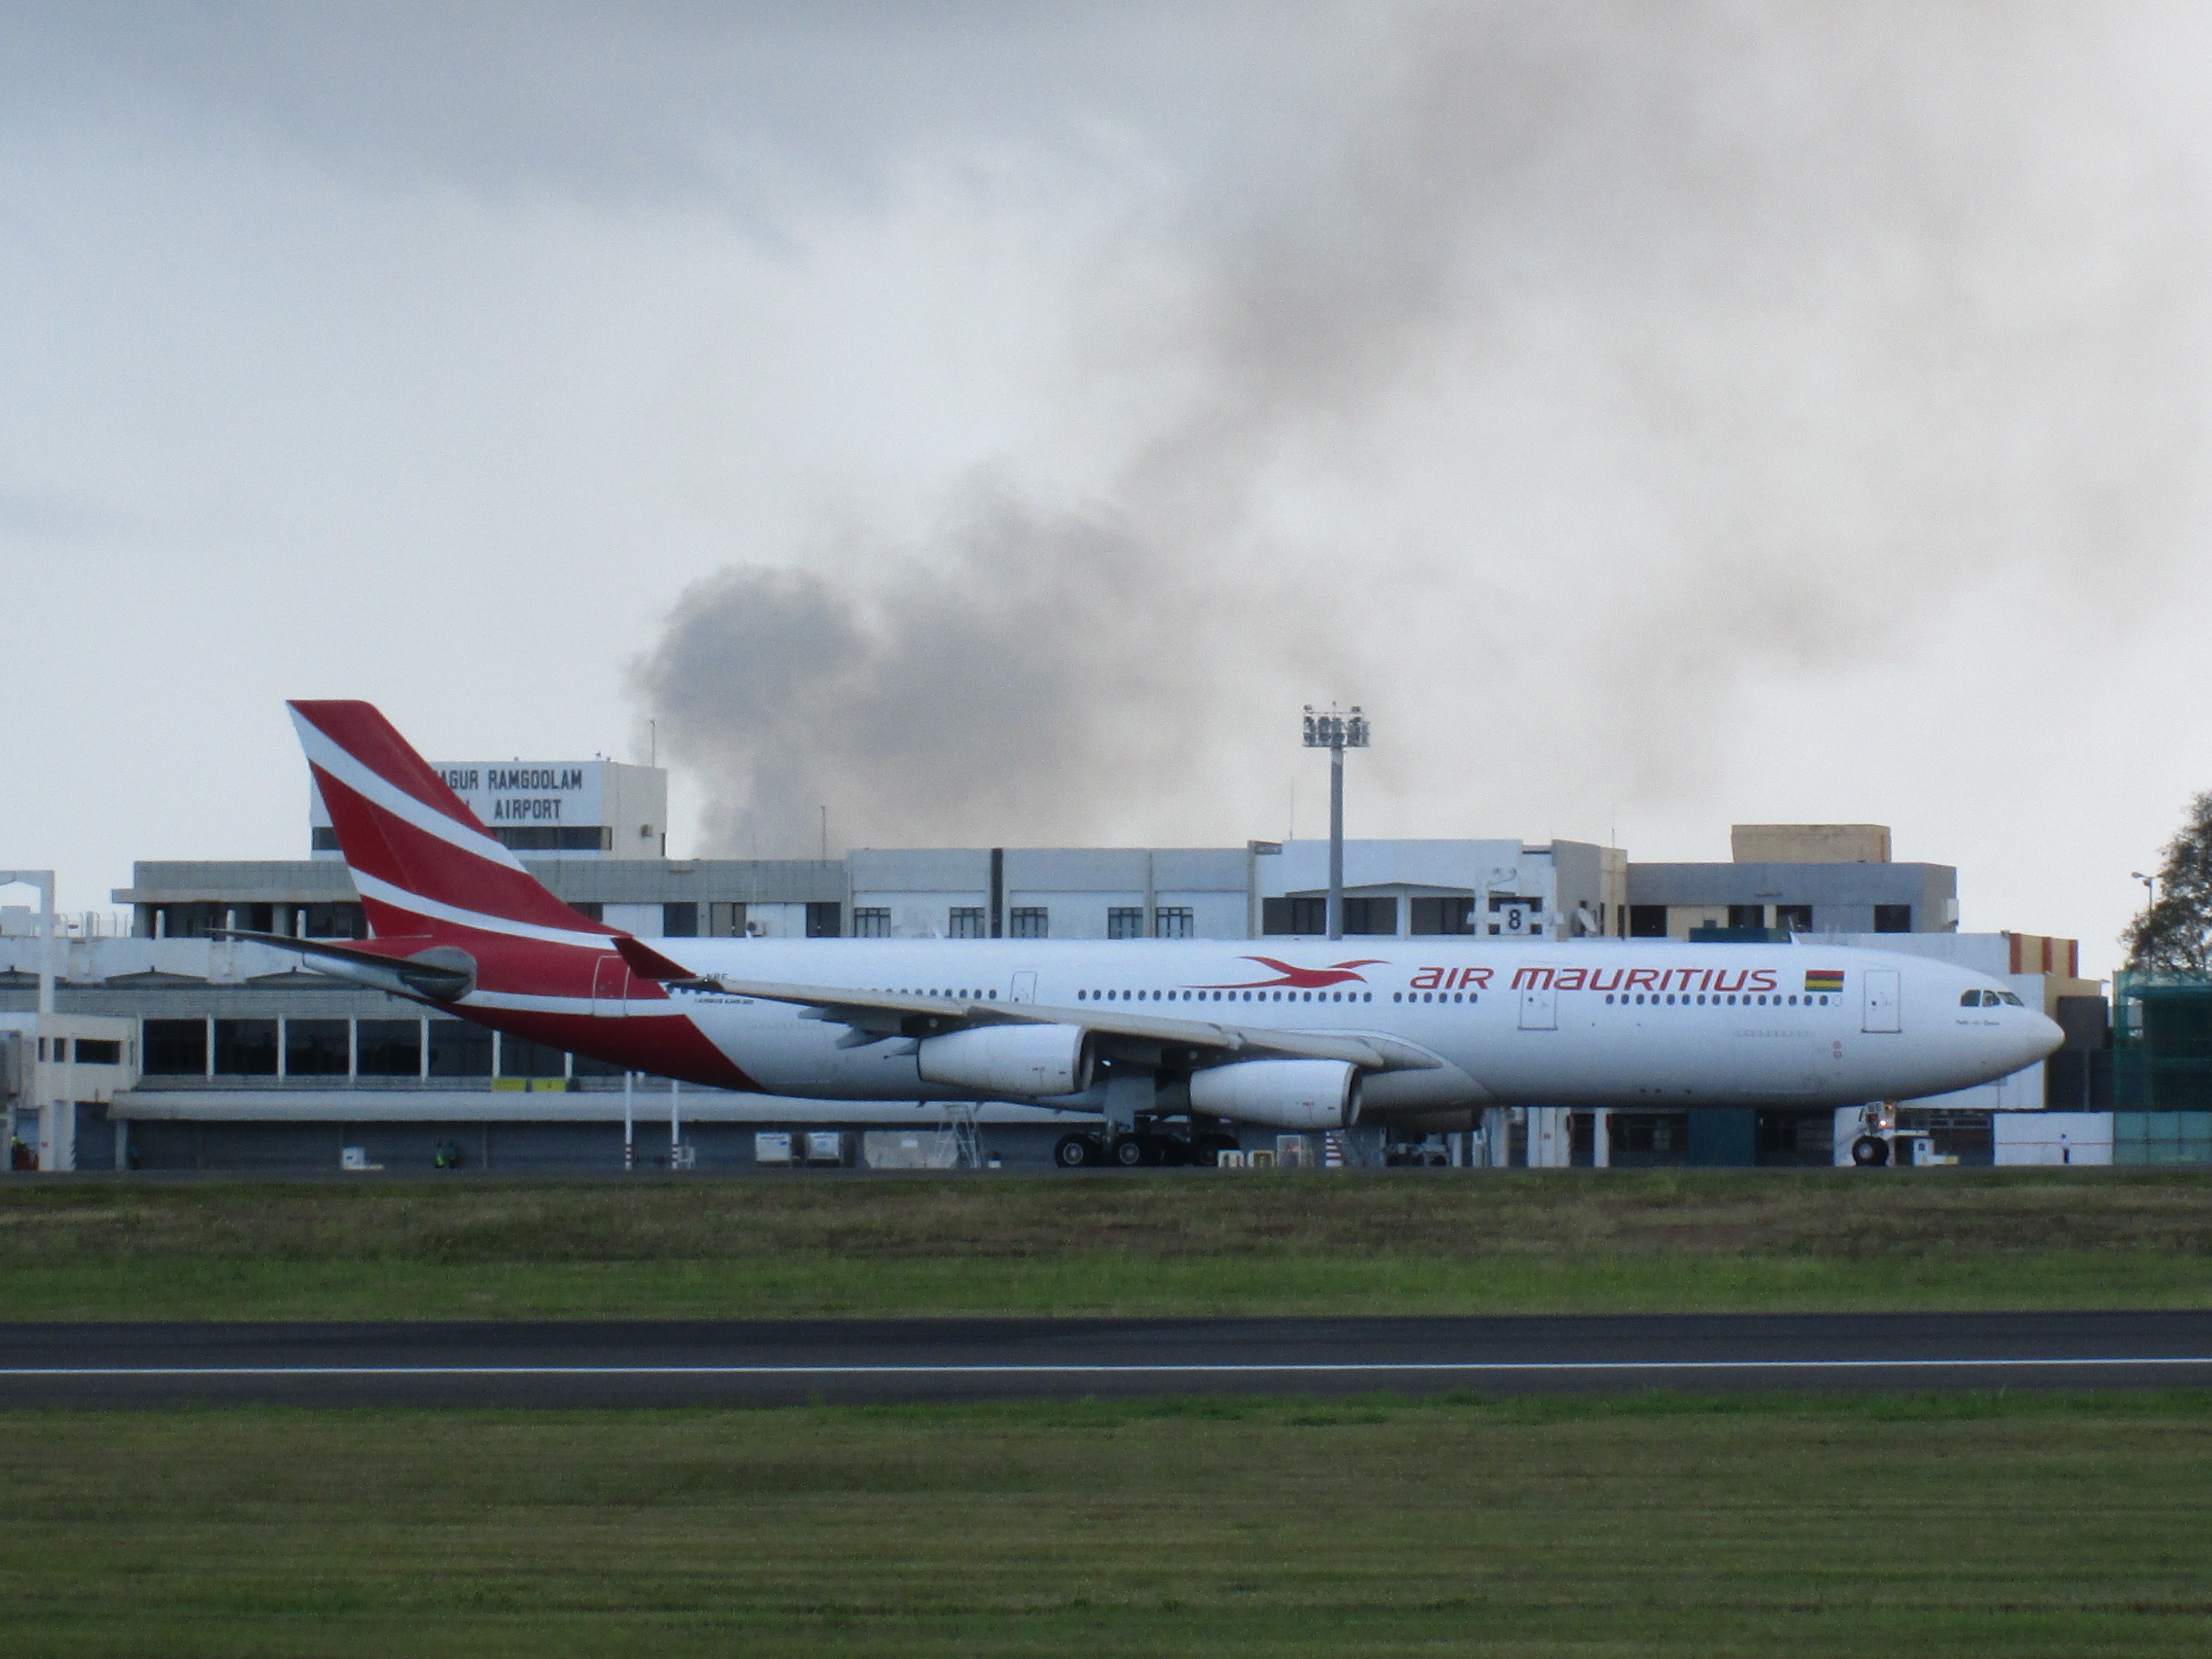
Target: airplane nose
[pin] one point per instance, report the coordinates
(2044, 1039)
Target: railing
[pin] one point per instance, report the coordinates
(70, 923)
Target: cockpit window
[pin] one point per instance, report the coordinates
(2013, 999)
(1970, 1000)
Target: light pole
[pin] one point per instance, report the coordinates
(1336, 733)
(2150, 890)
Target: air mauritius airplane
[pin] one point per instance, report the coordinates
(1168, 1040)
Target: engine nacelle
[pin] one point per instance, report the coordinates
(1286, 1094)
(1030, 1061)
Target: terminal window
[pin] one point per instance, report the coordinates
(871, 921)
(1174, 921)
(1443, 916)
(1029, 921)
(99, 1051)
(1293, 915)
(679, 918)
(246, 1048)
(1795, 918)
(521, 1056)
(388, 1048)
(1643, 1139)
(334, 922)
(966, 921)
(459, 1049)
(726, 919)
(176, 1048)
(1125, 922)
(1893, 918)
(555, 838)
(824, 919)
(1747, 915)
(1647, 921)
(1368, 915)
(315, 1047)
(200, 918)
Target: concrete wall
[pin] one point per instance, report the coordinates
(2054, 1138)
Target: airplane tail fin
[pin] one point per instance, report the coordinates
(424, 865)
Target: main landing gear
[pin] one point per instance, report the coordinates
(1147, 1148)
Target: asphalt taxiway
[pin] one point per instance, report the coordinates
(671, 1362)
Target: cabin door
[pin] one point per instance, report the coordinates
(610, 986)
(1879, 986)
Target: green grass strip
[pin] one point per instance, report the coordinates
(1670, 1525)
(1167, 1243)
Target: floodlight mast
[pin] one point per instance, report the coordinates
(1336, 733)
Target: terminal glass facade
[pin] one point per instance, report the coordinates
(2162, 1068)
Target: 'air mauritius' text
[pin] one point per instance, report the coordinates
(1605, 979)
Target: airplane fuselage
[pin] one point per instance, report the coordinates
(1586, 1022)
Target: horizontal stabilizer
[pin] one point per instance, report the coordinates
(648, 963)
(436, 973)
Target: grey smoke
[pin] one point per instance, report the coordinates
(1741, 346)
(1000, 675)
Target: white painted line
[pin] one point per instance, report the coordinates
(1179, 1370)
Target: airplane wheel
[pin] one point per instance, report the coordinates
(1130, 1151)
(1869, 1152)
(1075, 1152)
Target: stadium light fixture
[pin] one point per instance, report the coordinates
(1335, 732)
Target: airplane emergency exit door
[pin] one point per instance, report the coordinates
(1540, 1009)
(1879, 986)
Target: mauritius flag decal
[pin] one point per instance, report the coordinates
(1823, 979)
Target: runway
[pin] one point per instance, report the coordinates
(679, 1362)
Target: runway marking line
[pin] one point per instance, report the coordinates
(1288, 1369)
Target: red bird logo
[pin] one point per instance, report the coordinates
(1298, 978)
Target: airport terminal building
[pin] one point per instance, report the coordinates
(204, 1053)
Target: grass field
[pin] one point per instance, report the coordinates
(1164, 1243)
(2018, 1525)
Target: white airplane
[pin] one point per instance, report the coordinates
(1162, 1037)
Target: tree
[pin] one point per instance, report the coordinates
(2174, 936)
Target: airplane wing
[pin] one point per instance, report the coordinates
(872, 1016)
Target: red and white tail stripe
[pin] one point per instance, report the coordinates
(430, 873)
(424, 865)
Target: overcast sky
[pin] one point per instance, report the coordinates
(992, 422)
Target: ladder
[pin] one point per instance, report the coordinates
(958, 1120)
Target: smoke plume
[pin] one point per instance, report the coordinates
(1579, 387)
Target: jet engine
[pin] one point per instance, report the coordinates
(1286, 1094)
(1031, 1061)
